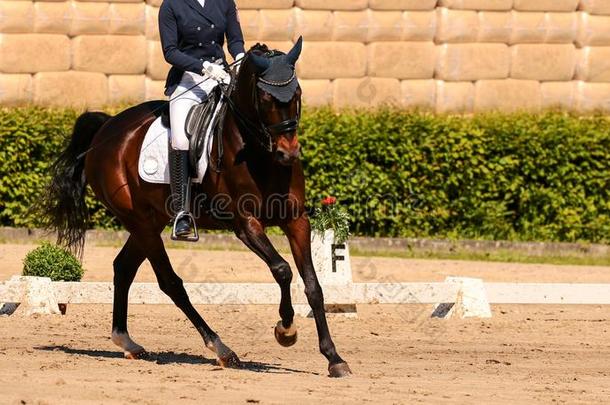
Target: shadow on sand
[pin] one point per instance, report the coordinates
(163, 358)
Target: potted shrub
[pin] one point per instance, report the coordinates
(54, 262)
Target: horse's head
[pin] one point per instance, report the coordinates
(274, 99)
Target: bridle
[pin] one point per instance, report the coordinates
(269, 131)
(258, 130)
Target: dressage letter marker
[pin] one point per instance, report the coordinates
(336, 258)
(331, 269)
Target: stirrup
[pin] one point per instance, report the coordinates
(191, 238)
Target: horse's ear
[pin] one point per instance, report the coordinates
(295, 52)
(260, 63)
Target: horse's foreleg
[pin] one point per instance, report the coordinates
(252, 233)
(125, 265)
(172, 285)
(299, 234)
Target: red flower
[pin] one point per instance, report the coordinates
(329, 201)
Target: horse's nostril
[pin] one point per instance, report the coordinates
(281, 155)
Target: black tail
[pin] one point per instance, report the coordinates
(63, 208)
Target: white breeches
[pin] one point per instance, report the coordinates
(182, 101)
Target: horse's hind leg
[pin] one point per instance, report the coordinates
(253, 236)
(172, 285)
(298, 233)
(126, 265)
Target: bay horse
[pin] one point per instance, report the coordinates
(250, 172)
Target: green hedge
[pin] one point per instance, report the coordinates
(516, 177)
(30, 140)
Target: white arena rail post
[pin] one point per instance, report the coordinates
(35, 295)
(471, 300)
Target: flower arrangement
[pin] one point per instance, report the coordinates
(331, 216)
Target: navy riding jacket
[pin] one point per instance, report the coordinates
(191, 34)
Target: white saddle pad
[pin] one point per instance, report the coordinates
(153, 165)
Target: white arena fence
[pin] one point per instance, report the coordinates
(465, 297)
(41, 293)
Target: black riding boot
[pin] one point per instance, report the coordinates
(180, 183)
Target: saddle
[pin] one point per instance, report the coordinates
(202, 119)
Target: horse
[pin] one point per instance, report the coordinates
(261, 181)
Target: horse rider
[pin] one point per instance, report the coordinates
(192, 35)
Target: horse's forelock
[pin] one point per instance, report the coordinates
(259, 48)
(264, 50)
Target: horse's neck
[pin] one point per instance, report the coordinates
(246, 146)
(241, 149)
(244, 113)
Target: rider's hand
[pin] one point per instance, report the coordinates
(216, 72)
(238, 60)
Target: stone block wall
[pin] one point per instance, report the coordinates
(447, 56)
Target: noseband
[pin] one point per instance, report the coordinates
(261, 132)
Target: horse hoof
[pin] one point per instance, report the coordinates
(138, 355)
(285, 337)
(131, 350)
(339, 370)
(229, 361)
